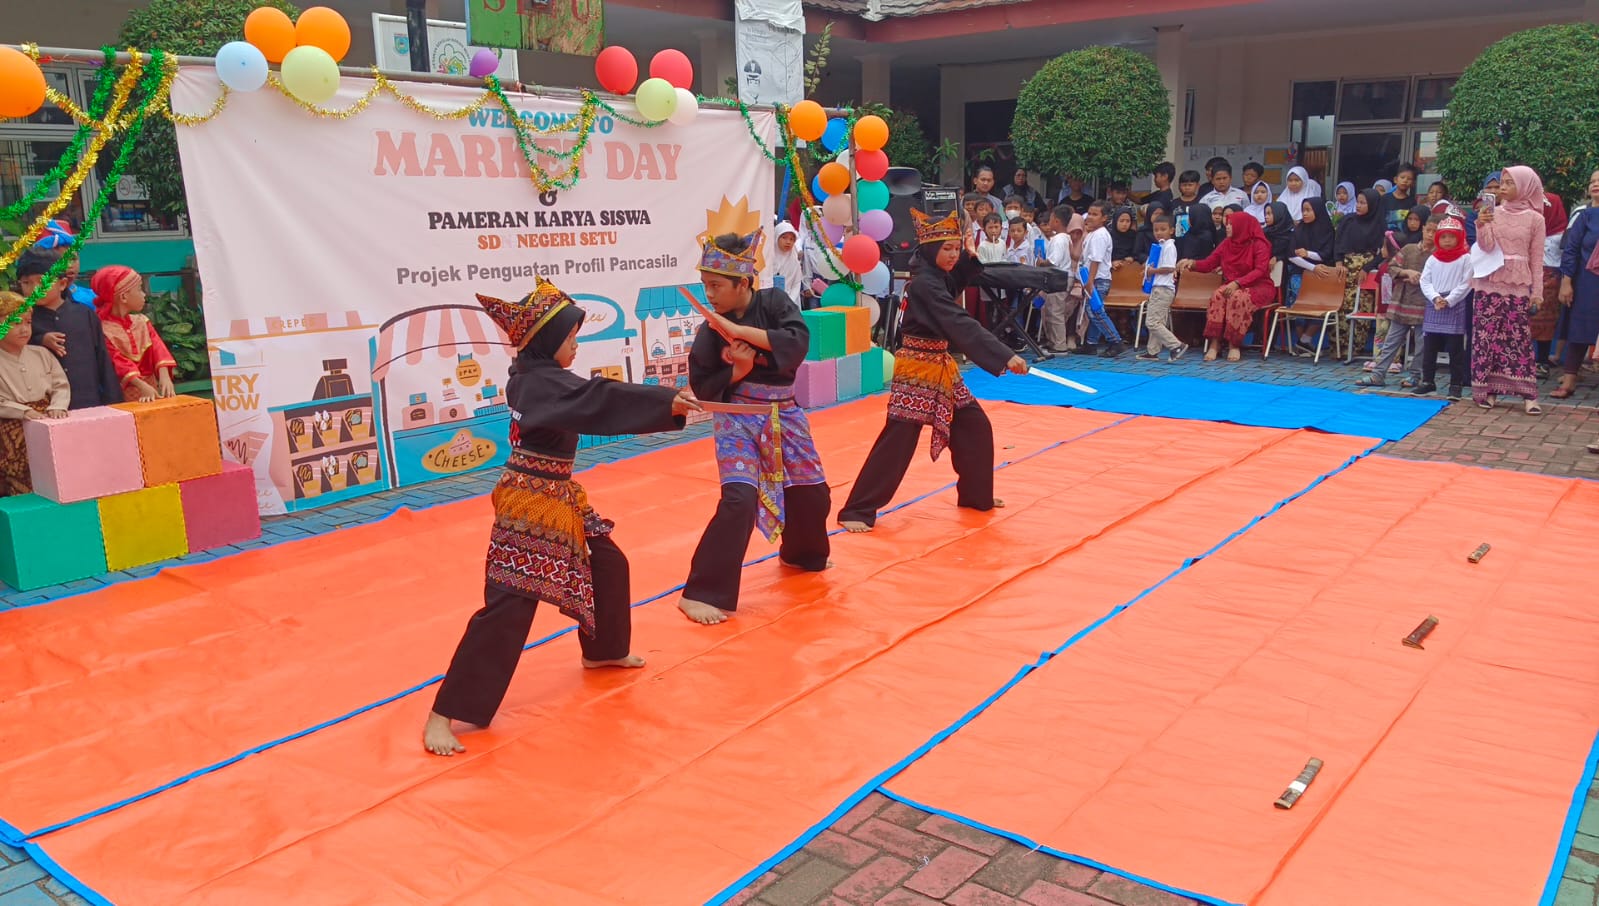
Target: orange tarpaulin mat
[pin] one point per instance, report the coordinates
(109, 695)
(665, 784)
(1168, 732)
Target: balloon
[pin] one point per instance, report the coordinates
(873, 195)
(838, 295)
(861, 254)
(816, 188)
(808, 120)
(842, 159)
(871, 133)
(836, 135)
(839, 210)
(310, 74)
(877, 224)
(674, 67)
(656, 99)
(688, 107)
(834, 178)
(270, 30)
(241, 66)
(833, 231)
(871, 164)
(869, 302)
(483, 64)
(878, 280)
(616, 69)
(324, 28)
(21, 84)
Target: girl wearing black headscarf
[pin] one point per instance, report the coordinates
(547, 542)
(1123, 234)
(1313, 251)
(1360, 238)
(1280, 230)
(927, 387)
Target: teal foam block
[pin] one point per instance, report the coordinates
(849, 377)
(44, 543)
(828, 332)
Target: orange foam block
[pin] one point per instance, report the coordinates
(220, 509)
(857, 327)
(143, 527)
(90, 453)
(177, 439)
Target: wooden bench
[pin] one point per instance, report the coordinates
(1127, 294)
(1320, 299)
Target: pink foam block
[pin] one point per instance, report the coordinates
(220, 509)
(817, 383)
(90, 453)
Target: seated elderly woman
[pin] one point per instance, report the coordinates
(1244, 258)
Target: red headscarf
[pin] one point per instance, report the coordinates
(1452, 225)
(105, 283)
(1238, 250)
(1554, 214)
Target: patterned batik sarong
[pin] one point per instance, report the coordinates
(770, 452)
(538, 545)
(927, 388)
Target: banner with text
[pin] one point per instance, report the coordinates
(340, 258)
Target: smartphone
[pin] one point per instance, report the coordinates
(1486, 200)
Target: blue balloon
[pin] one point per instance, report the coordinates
(816, 188)
(836, 136)
(241, 66)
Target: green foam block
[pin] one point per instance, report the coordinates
(875, 368)
(44, 543)
(828, 332)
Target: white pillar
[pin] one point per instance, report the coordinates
(1171, 43)
(876, 77)
(716, 62)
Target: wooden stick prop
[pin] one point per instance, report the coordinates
(1421, 632)
(735, 408)
(1477, 555)
(1297, 788)
(711, 317)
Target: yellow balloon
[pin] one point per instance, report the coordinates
(656, 99)
(310, 74)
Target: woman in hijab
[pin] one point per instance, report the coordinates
(547, 542)
(1299, 186)
(1383, 186)
(1579, 290)
(1244, 259)
(1146, 232)
(785, 270)
(1360, 239)
(1123, 234)
(1410, 228)
(1259, 200)
(1546, 320)
(1313, 250)
(1504, 301)
(1279, 231)
(1344, 196)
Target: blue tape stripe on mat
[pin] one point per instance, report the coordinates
(438, 678)
(1238, 402)
(67, 878)
(875, 784)
(1059, 854)
(1579, 798)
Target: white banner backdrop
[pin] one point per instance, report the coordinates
(769, 45)
(340, 259)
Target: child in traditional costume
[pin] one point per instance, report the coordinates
(927, 387)
(748, 354)
(547, 542)
(32, 385)
(141, 360)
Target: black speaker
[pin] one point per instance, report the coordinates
(934, 201)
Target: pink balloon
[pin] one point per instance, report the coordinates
(484, 62)
(877, 224)
(833, 231)
(837, 209)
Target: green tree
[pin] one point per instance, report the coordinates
(1531, 98)
(1099, 112)
(185, 28)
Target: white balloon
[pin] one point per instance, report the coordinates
(688, 107)
(241, 66)
(872, 305)
(843, 159)
(839, 209)
(877, 281)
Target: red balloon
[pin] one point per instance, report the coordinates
(861, 254)
(616, 69)
(871, 165)
(674, 67)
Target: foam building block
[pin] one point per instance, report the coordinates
(90, 453)
(849, 377)
(177, 439)
(220, 509)
(45, 543)
(143, 527)
(857, 327)
(816, 384)
(876, 367)
(827, 334)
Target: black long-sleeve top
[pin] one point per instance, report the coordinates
(87, 363)
(551, 406)
(933, 312)
(770, 310)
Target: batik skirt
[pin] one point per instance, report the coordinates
(771, 452)
(927, 388)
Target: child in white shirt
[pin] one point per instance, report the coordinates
(1018, 245)
(1445, 283)
(1097, 261)
(1162, 289)
(991, 248)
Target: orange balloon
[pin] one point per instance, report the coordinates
(871, 133)
(808, 120)
(324, 28)
(21, 84)
(270, 30)
(834, 178)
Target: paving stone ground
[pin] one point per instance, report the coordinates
(887, 854)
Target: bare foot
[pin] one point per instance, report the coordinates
(797, 566)
(700, 612)
(631, 660)
(437, 738)
(856, 527)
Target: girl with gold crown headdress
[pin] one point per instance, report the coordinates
(749, 352)
(927, 387)
(547, 543)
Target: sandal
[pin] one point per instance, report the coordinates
(1486, 404)
(1532, 408)
(1593, 447)
(1568, 386)
(1368, 382)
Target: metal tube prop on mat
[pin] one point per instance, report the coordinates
(1477, 555)
(1297, 788)
(1064, 382)
(1421, 632)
